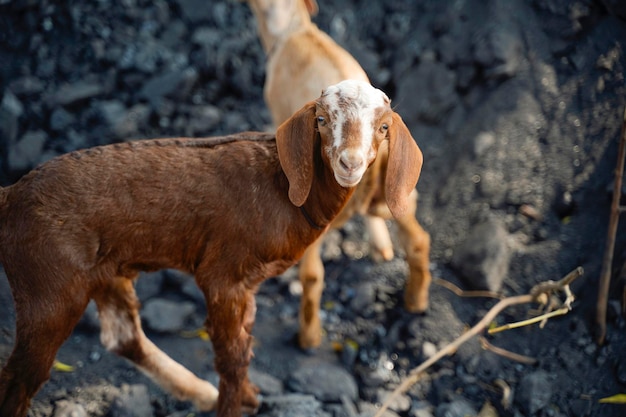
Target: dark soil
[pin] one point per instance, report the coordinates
(517, 106)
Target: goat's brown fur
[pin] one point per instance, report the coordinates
(301, 61)
(84, 224)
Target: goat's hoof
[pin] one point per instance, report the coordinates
(205, 404)
(416, 308)
(308, 340)
(250, 404)
(381, 255)
(207, 400)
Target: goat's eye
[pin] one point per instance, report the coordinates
(384, 127)
(321, 120)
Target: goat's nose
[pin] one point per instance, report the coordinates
(351, 161)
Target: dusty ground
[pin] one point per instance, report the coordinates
(516, 104)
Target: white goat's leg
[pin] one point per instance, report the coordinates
(122, 333)
(416, 242)
(381, 248)
(312, 278)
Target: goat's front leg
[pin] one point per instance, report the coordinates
(312, 278)
(231, 314)
(45, 318)
(416, 242)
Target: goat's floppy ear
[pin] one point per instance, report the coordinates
(295, 139)
(311, 6)
(403, 167)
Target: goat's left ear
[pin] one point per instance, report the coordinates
(403, 167)
(295, 140)
(311, 6)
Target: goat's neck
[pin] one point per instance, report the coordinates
(326, 199)
(300, 20)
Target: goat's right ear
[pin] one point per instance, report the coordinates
(295, 140)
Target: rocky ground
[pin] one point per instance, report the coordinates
(517, 106)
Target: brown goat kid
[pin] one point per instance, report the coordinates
(83, 225)
(301, 61)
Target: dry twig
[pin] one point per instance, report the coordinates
(605, 275)
(542, 318)
(526, 360)
(506, 393)
(545, 288)
(462, 293)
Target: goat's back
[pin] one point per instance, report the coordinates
(157, 203)
(301, 66)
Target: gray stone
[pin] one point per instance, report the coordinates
(12, 104)
(204, 119)
(325, 381)
(534, 392)
(149, 285)
(27, 151)
(459, 407)
(61, 119)
(364, 297)
(167, 316)
(401, 403)
(483, 142)
(206, 36)
(437, 95)
(26, 85)
(124, 123)
(11, 109)
(195, 11)
(69, 94)
(268, 384)
(111, 111)
(421, 409)
(175, 83)
(173, 33)
(290, 405)
(483, 259)
(368, 410)
(133, 401)
(64, 408)
(331, 248)
(191, 290)
(499, 50)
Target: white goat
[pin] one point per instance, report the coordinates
(301, 61)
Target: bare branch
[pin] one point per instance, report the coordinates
(547, 287)
(462, 293)
(541, 318)
(605, 275)
(526, 360)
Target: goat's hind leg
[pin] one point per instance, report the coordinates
(416, 242)
(121, 333)
(381, 247)
(46, 315)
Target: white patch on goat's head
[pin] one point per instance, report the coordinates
(355, 117)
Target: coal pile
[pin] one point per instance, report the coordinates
(517, 106)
